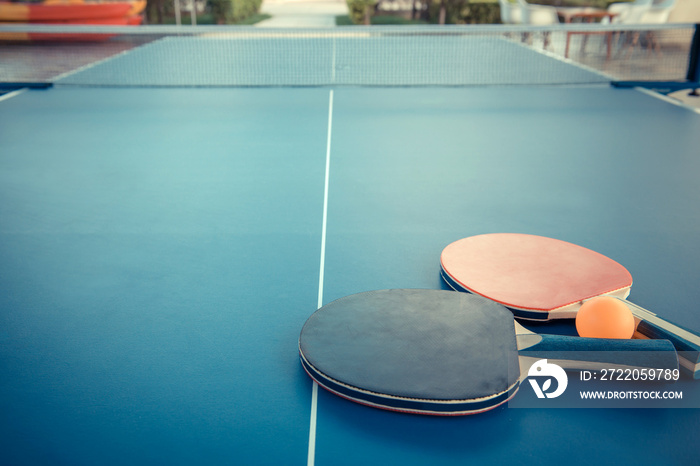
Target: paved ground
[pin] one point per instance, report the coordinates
(302, 13)
(685, 11)
(321, 13)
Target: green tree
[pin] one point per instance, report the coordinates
(361, 11)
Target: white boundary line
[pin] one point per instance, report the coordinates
(12, 94)
(80, 69)
(666, 98)
(311, 457)
(605, 79)
(67, 74)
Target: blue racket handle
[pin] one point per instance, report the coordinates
(686, 341)
(598, 353)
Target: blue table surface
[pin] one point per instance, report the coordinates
(160, 251)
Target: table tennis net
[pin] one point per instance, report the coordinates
(342, 56)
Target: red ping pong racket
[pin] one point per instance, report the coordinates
(540, 278)
(444, 353)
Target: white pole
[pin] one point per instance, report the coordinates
(177, 12)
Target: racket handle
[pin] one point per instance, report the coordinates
(686, 342)
(598, 353)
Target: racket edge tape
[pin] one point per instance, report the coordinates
(405, 404)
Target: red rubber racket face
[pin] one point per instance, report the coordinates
(532, 275)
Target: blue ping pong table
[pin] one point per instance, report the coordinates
(162, 244)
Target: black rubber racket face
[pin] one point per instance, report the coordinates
(418, 351)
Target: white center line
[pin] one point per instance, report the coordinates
(314, 391)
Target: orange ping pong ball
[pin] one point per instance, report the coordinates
(605, 317)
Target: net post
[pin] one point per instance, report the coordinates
(693, 75)
(667, 87)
